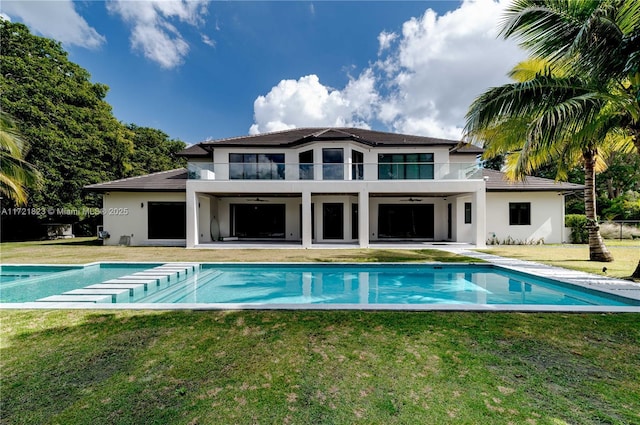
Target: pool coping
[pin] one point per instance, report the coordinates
(584, 280)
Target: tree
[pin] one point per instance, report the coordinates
(16, 174)
(153, 151)
(581, 97)
(75, 139)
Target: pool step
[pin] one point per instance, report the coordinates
(77, 298)
(127, 288)
(117, 295)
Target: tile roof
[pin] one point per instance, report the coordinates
(497, 182)
(300, 136)
(176, 181)
(164, 181)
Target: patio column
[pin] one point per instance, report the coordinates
(192, 217)
(480, 217)
(306, 219)
(363, 219)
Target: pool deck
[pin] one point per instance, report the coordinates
(603, 284)
(620, 287)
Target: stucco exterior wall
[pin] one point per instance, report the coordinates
(126, 214)
(547, 210)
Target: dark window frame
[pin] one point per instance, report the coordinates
(519, 213)
(357, 165)
(467, 213)
(166, 225)
(332, 169)
(406, 166)
(256, 166)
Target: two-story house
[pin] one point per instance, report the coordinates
(312, 186)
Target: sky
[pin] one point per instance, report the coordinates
(201, 70)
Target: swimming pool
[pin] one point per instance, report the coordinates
(233, 285)
(25, 283)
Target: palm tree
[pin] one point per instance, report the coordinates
(576, 100)
(16, 175)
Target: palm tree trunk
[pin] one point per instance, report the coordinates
(597, 249)
(636, 274)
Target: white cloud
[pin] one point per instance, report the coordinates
(308, 103)
(422, 83)
(152, 31)
(55, 19)
(207, 40)
(442, 64)
(385, 39)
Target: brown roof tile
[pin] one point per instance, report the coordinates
(497, 182)
(164, 181)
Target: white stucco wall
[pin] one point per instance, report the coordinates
(125, 214)
(546, 216)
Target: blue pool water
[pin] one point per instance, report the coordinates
(373, 284)
(20, 283)
(361, 284)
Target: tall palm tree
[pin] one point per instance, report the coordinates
(580, 101)
(16, 174)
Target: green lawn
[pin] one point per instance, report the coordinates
(626, 254)
(311, 367)
(279, 367)
(86, 250)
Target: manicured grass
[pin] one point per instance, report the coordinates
(87, 250)
(279, 367)
(626, 254)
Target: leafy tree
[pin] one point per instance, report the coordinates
(16, 174)
(75, 138)
(153, 151)
(578, 96)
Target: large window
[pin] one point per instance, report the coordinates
(306, 165)
(405, 221)
(357, 165)
(253, 166)
(332, 221)
(519, 213)
(333, 164)
(167, 220)
(258, 221)
(405, 166)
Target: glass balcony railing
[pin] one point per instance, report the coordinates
(333, 171)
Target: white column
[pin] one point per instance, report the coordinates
(363, 219)
(192, 217)
(306, 219)
(479, 218)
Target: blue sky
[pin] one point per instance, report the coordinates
(199, 70)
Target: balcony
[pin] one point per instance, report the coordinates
(333, 171)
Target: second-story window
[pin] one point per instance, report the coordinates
(333, 164)
(405, 166)
(357, 165)
(306, 165)
(256, 166)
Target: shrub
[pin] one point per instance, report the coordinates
(578, 225)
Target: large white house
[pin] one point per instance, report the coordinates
(312, 186)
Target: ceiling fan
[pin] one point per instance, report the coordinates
(257, 200)
(412, 200)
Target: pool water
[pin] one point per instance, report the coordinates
(373, 284)
(22, 283)
(234, 284)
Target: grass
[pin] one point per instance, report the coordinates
(279, 367)
(87, 250)
(626, 254)
(306, 367)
